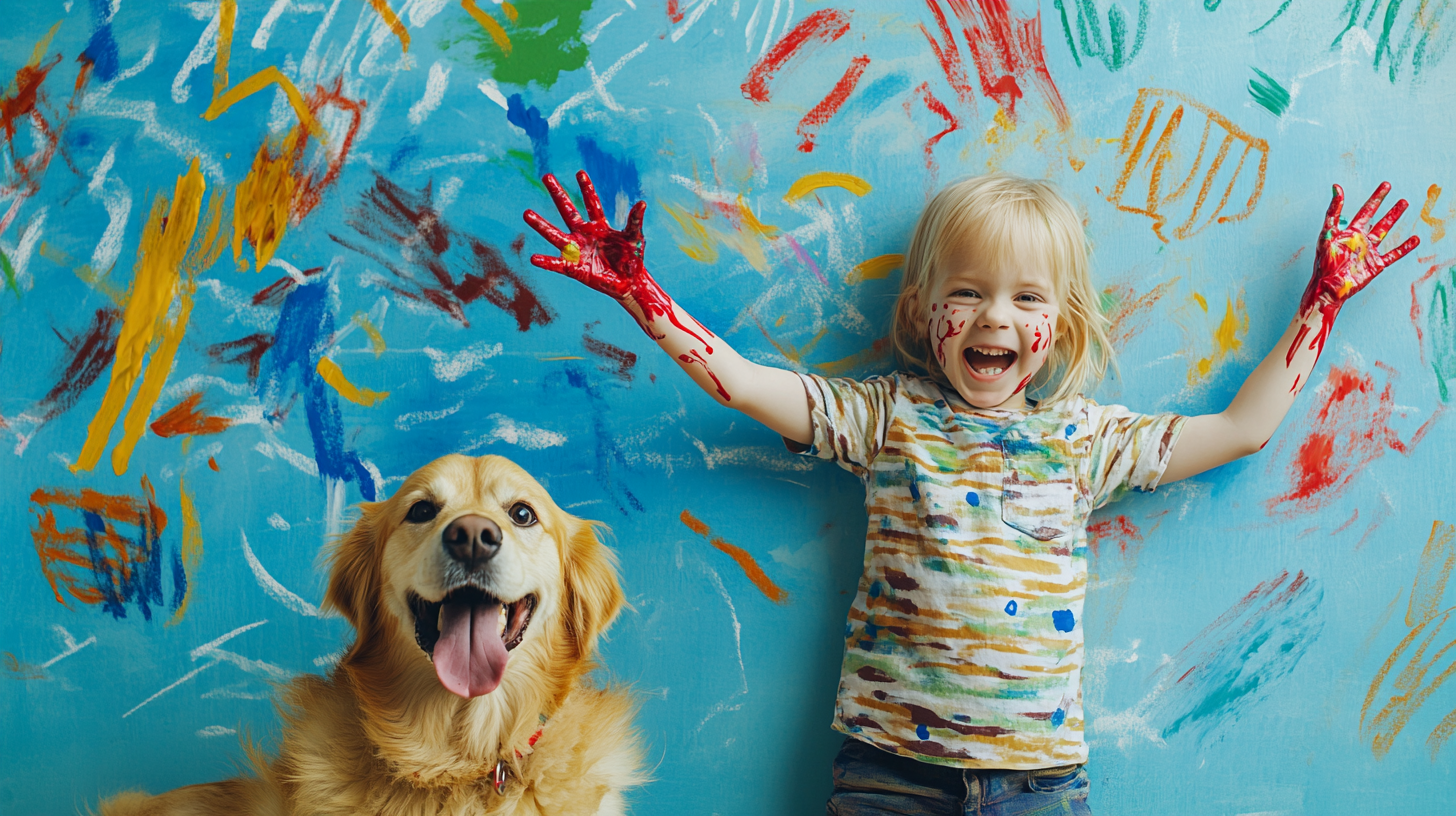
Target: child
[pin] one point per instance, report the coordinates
(961, 682)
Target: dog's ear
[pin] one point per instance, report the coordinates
(354, 565)
(593, 595)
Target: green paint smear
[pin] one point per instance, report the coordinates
(1442, 329)
(1270, 95)
(1424, 42)
(545, 42)
(9, 274)
(1280, 13)
(1112, 49)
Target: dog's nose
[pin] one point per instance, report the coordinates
(472, 539)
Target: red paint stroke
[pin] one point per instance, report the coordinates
(1294, 346)
(91, 354)
(94, 563)
(1383, 512)
(1293, 389)
(1349, 431)
(1343, 527)
(1118, 528)
(831, 103)
(694, 357)
(619, 360)
(674, 14)
(25, 100)
(939, 109)
(212, 463)
(1007, 50)
(425, 257)
(186, 417)
(949, 57)
(1415, 309)
(1023, 383)
(743, 558)
(246, 351)
(310, 186)
(817, 29)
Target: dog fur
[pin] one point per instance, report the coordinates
(381, 735)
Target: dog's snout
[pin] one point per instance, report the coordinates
(472, 539)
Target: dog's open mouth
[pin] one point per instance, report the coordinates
(469, 634)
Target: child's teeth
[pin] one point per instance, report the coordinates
(992, 371)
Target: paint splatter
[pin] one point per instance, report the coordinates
(1269, 94)
(418, 247)
(1413, 686)
(1349, 430)
(1228, 338)
(542, 42)
(742, 557)
(1113, 49)
(1239, 658)
(95, 563)
(1184, 167)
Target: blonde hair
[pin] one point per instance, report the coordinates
(996, 219)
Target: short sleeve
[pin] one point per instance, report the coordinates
(1129, 450)
(850, 419)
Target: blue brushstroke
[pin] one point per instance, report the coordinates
(610, 175)
(179, 579)
(140, 581)
(1064, 620)
(102, 50)
(609, 455)
(973, 499)
(866, 98)
(1011, 608)
(1058, 717)
(305, 322)
(536, 127)
(407, 148)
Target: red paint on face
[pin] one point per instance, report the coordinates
(817, 29)
(1023, 383)
(943, 328)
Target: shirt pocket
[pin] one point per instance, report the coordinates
(1038, 490)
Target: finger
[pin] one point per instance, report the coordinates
(555, 264)
(1401, 251)
(1377, 233)
(633, 232)
(589, 195)
(1332, 215)
(557, 238)
(563, 202)
(1371, 205)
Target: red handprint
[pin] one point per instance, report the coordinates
(1346, 260)
(607, 260)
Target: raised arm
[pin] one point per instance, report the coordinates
(611, 261)
(1345, 261)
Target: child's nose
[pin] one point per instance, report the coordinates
(994, 315)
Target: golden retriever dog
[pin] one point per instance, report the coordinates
(476, 602)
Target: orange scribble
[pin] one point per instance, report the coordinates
(1173, 161)
(186, 417)
(224, 97)
(212, 463)
(94, 563)
(744, 559)
(487, 22)
(1437, 225)
(392, 20)
(1130, 312)
(1428, 626)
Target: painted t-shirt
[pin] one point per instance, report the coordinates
(964, 643)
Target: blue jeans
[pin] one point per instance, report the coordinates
(871, 782)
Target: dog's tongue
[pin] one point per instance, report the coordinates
(470, 656)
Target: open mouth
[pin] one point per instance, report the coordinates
(989, 361)
(468, 635)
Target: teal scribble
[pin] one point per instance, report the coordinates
(9, 274)
(1442, 330)
(1112, 49)
(1422, 44)
(1270, 95)
(1283, 7)
(1211, 5)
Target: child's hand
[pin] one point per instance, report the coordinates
(1346, 259)
(607, 260)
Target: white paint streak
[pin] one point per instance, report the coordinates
(184, 678)
(435, 87)
(451, 367)
(591, 36)
(70, 643)
(519, 434)
(488, 87)
(203, 52)
(116, 198)
(272, 448)
(407, 421)
(598, 88)
(100, 103)
(270, 585)
(277, 522)
(727, 705)
(691, 18)
(217, 730)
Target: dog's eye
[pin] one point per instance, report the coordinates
(522, 515)
(421, 512)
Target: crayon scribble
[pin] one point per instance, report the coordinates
(1236, 661)
(742, 557)
(1413, 686)
(1129, 312)
(1112, 49)
(1419, 44)
(408, 237)
(1007, 51)
(95, 563)
(1270, 95)
(1441, 328)
(1349, 430)
(1173, 177)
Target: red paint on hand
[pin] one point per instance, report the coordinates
(694, 357)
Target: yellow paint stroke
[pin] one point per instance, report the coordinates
(745, 233)
(792, 354)
(262, 201)
(510, 10)
(392, 20)
(1437, 225)
(334, 376)
(815, 181)
(222, 99)
(488, 23)
(697, 243)
(1202, 304)
(876, 268)
(742, 557)
(191, 551)
(1227, 339)
(101, 282)
(158, 266)
(376, 340)
(564, 357)
(1411, 690)
(42, 45)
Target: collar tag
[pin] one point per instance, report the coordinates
(500, 775)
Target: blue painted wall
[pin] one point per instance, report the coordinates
(1268, 638)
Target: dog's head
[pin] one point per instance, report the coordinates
(471, 566)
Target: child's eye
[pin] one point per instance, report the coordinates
(966, 293)
(1027, 297)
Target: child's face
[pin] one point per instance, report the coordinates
(991, 330)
